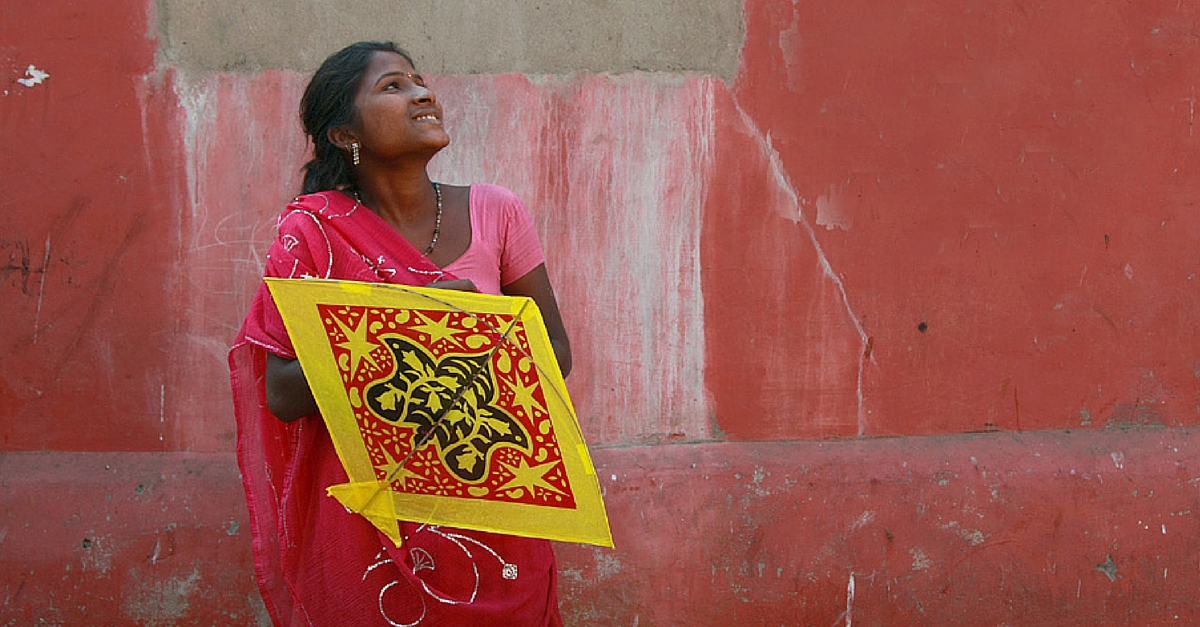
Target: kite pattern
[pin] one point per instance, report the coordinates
(447, 379)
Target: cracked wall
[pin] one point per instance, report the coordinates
(777, 230)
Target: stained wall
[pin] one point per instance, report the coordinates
(881, 314)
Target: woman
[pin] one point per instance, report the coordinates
(370, 212)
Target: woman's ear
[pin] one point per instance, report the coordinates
(341, 137)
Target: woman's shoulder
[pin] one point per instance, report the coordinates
(316, 208)
(490, 195)
(321, 203)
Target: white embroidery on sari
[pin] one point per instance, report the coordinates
(423, 560)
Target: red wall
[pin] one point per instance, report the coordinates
(897, 327)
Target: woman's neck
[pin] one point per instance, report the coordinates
(401, 198)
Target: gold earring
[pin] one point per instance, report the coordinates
(354, 151)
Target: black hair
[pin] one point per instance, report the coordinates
(328, 103)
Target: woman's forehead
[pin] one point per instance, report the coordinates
(383, 62)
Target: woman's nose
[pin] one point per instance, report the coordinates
(423, 95)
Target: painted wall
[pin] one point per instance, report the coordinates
(882, 313)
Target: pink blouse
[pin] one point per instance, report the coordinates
(504, 245)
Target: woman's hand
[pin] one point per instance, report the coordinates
(536, 285)
(462, 285)
(288, 394)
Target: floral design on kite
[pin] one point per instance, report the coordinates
(420, 392)
(401, 370)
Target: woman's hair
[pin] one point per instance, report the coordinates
(328, 102)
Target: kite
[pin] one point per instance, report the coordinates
(445, 407)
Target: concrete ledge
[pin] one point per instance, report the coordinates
(1045, 528)
(1081, 528)
(125, 539)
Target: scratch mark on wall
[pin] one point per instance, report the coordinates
(1191, 111)
(1017, 402)
(850, 601)
(785, 183)
(34, 76)
(37, 317)
(162, 410)
(103, 282)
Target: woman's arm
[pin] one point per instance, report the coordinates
(536, 285)
(288, 394)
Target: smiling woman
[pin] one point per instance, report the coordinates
(369, 212)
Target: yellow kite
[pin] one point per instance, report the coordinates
(445, 407)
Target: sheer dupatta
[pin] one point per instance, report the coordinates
(302, 539)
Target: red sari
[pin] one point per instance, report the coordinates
(317, 563)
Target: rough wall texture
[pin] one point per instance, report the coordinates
(459, 36)
(970, 226)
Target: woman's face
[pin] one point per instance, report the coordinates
(397, 115)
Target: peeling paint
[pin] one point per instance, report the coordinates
(833, 211)
(33, 76)
(607, 564)
(159, 603)
(1109, 568)
(863, 520)
(920, 561)
(97, 554)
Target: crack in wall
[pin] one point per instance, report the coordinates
(785, 183)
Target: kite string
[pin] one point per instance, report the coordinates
(557, 392)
